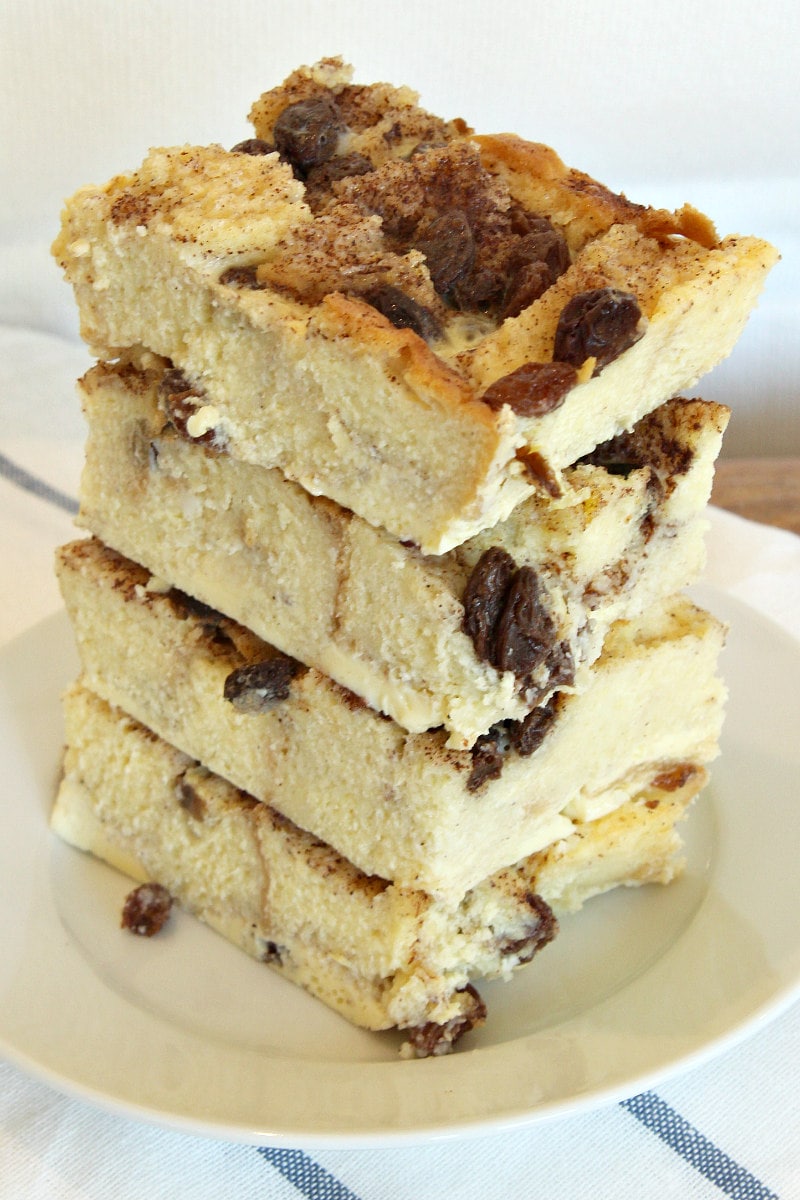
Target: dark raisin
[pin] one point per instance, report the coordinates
(523, 222)
(545, 245)
(449, 249)
(178, 399)
(561, 665)
(146, 909)
(599, 324)
(478, 289)
(253, 146)
(241, 277)
(403, 311)
(341, 167)
(487, 760)
(307, 132)
(528, 734)
(433, 1039)
(187, 605)
(484, 598)
(527, 283)
(189, 799)
(619, 455)
(272, 953)
(524, 634)
(539, 470)
(533, 390)
(254, 688)
(534, 262)
(539, 934)
(175, 383)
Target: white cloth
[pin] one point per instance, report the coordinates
(731, 1127)
(185, 71)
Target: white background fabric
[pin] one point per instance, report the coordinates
(679, 101)
(669, 103)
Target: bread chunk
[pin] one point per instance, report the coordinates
(380, 955)
(401, 806)
(422, 325)
(376, 615)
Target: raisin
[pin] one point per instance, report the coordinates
(403, 311)
(505, 616)
(533, 390)
(307, 133)
(434, 1039)
(177, 396)
(561, 665)
(487, 760)
(599, 324)
(527, 283)
(478, 289)
(320, 180)
(340, 167)
(174, 383)
(484, 598)
(253, 146)
(524, 634)
(272, 953)
(255, 687)
(146, 909)
(539, 470)
(449, 249)
(241, 277)
(544, 245)
(528, 734)
(189, 799)
(540, 933)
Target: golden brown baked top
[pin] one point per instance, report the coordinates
(372, 201)
(419, 323)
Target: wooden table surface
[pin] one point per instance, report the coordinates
(764, 489)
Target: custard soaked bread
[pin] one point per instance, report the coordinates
(396, 805)
(415, 636)
(422, 325)
(381, 955)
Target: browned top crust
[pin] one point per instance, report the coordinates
(464, 292)
(536, 176)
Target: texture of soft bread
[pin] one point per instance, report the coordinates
(380, 955)
(262, 293)
(376, 615)
(397, 805)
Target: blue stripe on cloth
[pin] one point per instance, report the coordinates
(310, 1179)
(37, 487)
(682, 1137)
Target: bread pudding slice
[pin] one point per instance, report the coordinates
(380, 955)
(422, 325)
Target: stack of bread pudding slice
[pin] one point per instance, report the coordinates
(393, 501)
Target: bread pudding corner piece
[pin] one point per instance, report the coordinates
(422, 325)
(381, 956)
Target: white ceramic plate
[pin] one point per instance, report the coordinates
(186, 1031)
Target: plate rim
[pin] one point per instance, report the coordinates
(453, 1071)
